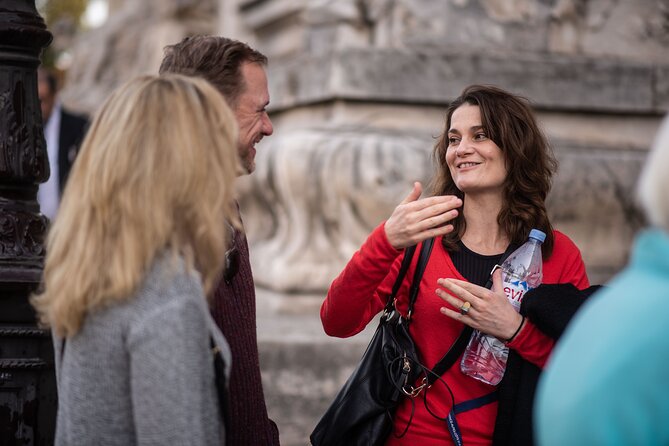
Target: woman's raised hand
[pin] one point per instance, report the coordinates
(416, 219)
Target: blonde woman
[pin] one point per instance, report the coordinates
(135, 248)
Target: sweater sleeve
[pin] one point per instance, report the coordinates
(532, 344)
(358, 293)
(564, 266)
(171, 375)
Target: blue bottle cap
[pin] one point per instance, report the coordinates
(538, 235)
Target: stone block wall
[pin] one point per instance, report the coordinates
(358, 92)
(350, 139)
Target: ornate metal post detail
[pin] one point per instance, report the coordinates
(27, 385)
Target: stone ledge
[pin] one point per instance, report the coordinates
(434, 77)
(302, 367)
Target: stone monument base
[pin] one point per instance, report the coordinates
(302, 367)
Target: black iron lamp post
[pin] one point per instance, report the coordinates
(27, 384)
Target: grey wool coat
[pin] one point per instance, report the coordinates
(141, 372)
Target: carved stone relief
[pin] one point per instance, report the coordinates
(317, 192)
(299, 213)
(567, 22)
(423, 53)
(130, 43)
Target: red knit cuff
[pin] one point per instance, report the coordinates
(520, 337)
(381, 243)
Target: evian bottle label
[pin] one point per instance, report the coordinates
(515, 290)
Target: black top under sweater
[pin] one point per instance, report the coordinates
(473, 266)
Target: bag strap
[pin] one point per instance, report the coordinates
(458, 347)
(509, 250)
(461, 342)
(451, 355)
(221, 382)
(406, 262)
(465, 406)
(425, 251)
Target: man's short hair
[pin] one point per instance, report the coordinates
(216, 59)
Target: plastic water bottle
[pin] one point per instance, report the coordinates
(485, 356)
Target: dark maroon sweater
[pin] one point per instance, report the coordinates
(234, 310)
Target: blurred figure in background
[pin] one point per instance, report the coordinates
(606, 383)
(137, 245)
(63, 132)
(238, 73)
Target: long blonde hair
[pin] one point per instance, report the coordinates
(155, 173)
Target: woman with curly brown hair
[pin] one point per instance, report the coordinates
(494, 173)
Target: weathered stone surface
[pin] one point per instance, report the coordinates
(593, 202)
(435, 77)
(661, 80)
(129, 44)
(316, 194)
(601, 28)
(302, 368)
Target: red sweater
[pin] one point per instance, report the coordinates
(359, 293)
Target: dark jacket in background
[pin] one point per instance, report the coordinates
(71, 134)
(550, 308)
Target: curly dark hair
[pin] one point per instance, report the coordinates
(215, 58)
(509, 121)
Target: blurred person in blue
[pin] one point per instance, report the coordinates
(63, 133)
(606, 383)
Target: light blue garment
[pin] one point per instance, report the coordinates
(607, 382)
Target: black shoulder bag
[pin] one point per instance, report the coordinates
(221, 383)
(362, 412)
